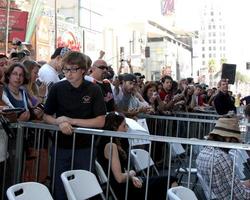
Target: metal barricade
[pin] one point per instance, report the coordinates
(40, 130)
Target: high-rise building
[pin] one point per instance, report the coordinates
(212, 35)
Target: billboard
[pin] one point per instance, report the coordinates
(17, 24)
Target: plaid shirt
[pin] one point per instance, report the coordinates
(222, 174)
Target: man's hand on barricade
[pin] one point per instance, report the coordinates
(66, 128)
(62, 119)
(136, 182)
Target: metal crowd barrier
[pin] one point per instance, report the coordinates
(211, 116)
(184, 127)
(18, 159)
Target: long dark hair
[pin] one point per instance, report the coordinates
(11, 69)
(112, 122)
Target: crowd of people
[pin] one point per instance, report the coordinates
(72, 91)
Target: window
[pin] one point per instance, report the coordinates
(210, 55)
(203, 62)
(203, 48)
(210, 48)
(89, 18)
(203, 55)
(214, 48)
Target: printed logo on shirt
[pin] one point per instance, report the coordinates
(86, 99)
(108, 97)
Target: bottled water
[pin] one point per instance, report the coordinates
(242, 126)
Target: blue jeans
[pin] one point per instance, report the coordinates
(63, 163)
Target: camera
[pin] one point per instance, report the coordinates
(17, 42)
(19, 55)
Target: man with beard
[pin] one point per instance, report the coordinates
(98, 75)
(129, 103)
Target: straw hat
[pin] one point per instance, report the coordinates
(227, 127)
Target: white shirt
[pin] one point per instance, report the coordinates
(48, 74)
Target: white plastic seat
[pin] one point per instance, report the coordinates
(177, 152)
(80, 184)
(141, 159)
(181, 193)
(103, 177)
(28, 191)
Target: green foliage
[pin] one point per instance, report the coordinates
(242, 77)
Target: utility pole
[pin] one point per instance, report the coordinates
(55, 5)
(7, 27)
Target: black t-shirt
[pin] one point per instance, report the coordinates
(84, 102)
(108, 95)
(223, 103)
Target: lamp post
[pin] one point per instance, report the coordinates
(7, 27)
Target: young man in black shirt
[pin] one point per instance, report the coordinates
(222, 101)
(73, 102)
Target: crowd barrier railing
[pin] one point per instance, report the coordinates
(18, 159)
(185, 127)
(199, 115)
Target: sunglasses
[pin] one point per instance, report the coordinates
(102, 67)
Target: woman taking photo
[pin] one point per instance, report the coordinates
(157, 186)
(36, 89)
(14, 95)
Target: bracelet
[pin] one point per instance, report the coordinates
(42, 97)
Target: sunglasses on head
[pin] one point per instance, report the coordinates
(102, 67)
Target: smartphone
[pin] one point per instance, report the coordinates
(41, 105)
(38, 82)
(17, 110)
(13, 55)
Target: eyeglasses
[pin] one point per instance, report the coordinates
(72, 70)
(102, 67)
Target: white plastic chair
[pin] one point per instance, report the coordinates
(205, 187)
(103, 177)
(181, 193)
(140, 159)
(28, 191)
(80, 184)
(177, 152)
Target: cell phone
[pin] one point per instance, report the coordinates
(38, 82)
(40, 105)
(17, 110)
(13, 55)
